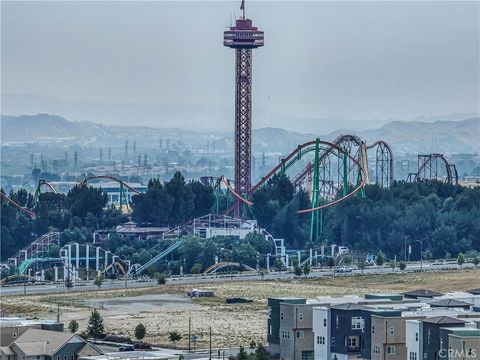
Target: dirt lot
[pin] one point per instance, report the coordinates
(166, 308)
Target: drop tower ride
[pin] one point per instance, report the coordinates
(243, 37)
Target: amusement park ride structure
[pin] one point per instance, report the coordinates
(337, 171)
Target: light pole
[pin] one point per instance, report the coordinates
(421, 254)
(406, 237)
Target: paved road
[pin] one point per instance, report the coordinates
(199, 279)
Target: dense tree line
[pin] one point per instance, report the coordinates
(172, 203)
(442, 216)
(76, 214)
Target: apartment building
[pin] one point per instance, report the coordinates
(273, 322)
(380, 327)
(459, 343)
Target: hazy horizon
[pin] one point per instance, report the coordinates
(160, 64)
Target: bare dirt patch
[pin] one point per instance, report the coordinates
(166, 308)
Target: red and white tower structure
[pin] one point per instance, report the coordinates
(243, 37)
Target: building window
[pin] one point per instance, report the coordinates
(392, 330)
(322, 340)
(352, 341)
(300, 334)
(416, 337)
(373, 329)
(73, 357)
(336, 321)
(318, 339)
(300, 316)
(333, 341)
(285, 334)
(428, 336)
(324, 322)
(470, 353)
(357, 323)
(391, 350)
(281, 316)
(307, 355)
(424, 356)
(58, 357)
(376, 349)
(412, 355)
(14, 335)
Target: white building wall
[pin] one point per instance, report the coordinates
(412, 328)
(321, 351)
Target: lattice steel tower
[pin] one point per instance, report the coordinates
(243, 37)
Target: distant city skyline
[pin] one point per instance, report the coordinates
(321, 60)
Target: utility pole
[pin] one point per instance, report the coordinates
(75, 160)
(189, 332)
(210, 351)
(58, 313)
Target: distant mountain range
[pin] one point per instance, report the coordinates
(452, 137)
(198, 117)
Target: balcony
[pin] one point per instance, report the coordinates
(353, 349)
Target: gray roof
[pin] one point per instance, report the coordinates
(422, 293)
(444, 320)
(43, 342)
(349, 306)
(450, 303)
(474, 291)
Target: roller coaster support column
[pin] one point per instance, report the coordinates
(345, 173)
(87, 259)
(77, 255)
(97, 259)
(55, 269)
(314, 221)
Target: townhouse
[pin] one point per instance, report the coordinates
(377, 327)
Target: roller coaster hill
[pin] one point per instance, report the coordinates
(331, 173)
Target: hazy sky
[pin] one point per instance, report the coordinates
(321, 59)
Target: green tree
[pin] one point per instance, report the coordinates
(140, 331)
(297, 270)
(95, 327)
(261, 353)
(380, 259)
(402, 265)
(460, 259)
(392, 264)
(161, 278)
(253, 344)
(174, 336)
(476, 260)
(73, 326)
(347, 260)
(98, 281)
(242, 354)
(362, 264)
(306, 269)
(331, 262)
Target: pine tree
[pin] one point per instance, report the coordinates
(95, 327)
(140, 331)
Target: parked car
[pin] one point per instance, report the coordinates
(344, 269)
(126, 347)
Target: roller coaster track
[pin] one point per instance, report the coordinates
(38, 190)
(221, 265)
(84, 181)
(429, 164)
(302, 149)
(160, 256)
(18, 206)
